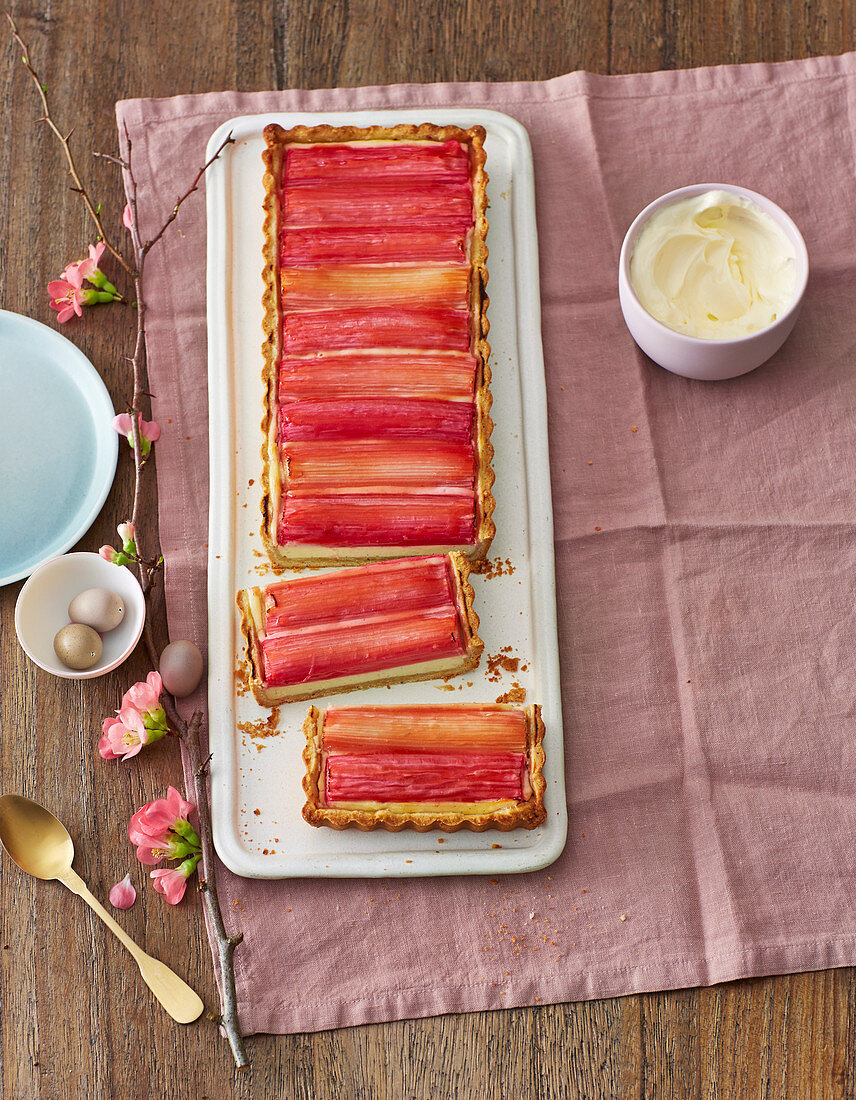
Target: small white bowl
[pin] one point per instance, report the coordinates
(42, 610)
(692, 356)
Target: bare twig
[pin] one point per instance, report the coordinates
(226, 944)
(188, 732)
(113, 159)
(228, 140)
(66, 148)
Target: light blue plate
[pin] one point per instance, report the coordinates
(58, 449)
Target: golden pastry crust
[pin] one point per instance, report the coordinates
(309, 556)
(250, 603)
(528, 814)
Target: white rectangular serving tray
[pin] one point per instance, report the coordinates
(256, 792)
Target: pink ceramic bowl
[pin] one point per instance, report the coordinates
(692, 356)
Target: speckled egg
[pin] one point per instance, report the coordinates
(77, 646)
(180, 667)
(99, 608)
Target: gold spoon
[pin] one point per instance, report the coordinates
(40, 844)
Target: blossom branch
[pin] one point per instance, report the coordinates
(188, 732)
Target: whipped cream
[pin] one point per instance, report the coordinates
(715, 266)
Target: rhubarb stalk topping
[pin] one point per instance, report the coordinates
(377, 424)
(424, 754)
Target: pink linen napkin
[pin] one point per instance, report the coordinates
(706, 560)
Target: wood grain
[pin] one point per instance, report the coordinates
(76, 1021)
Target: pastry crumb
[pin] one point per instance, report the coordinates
(497, 663)
(517, 694)
(242, 678)
(495, 567)
(262, 727)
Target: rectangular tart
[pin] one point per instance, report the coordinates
(424, 767)
(377, 401)
(382, 623)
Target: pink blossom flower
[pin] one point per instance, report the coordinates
(88, 269)
(173, 882)
(145, 698)
(140, 720)
(123, 895)
(128, 218)
(149, 430)
(114, 556)
(160, 829)
(66, 299)
(68, 295)
(153, 819)
(73, 274)
(127, 533)
(124, 735)
(96, 251)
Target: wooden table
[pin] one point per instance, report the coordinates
(76, 1020)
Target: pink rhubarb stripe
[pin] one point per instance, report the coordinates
(377, 465)
(379, 520)
(420, 285)
(447, 161)
(378, 202)
(385, 641)
(426, 728)
(424, 777)
(357, 418)
(446, 376)
(382, 244)
(311, 331)
(405, 584)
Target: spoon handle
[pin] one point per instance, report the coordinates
(175, 995)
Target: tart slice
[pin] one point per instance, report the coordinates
(424, 767)
(377, 401)
(383, 623)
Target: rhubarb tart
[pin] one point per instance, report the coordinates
(382, 623)
(377, 402)
(424, 767)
